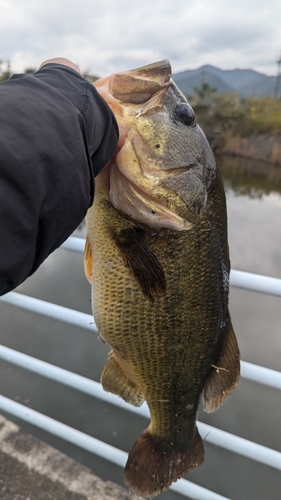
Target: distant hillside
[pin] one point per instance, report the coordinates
(247, 82)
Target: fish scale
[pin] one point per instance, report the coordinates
(165, 315)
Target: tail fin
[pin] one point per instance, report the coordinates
(153, 465)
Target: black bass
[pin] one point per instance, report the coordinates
(157, 257)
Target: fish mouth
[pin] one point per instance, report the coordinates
(137, 191)
(140, 205)
(130, 196)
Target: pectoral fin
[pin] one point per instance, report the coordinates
(88, 260)
(142, 261)
(224, 374)
(113, 379)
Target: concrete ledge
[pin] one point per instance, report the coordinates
(33, 470)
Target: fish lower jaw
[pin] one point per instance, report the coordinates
(144, 209)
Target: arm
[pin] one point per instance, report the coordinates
(56, 134)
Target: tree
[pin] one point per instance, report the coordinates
(5, 75)
(277, 81)
(205, 92)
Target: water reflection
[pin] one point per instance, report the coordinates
(253, 191)
(252, 178)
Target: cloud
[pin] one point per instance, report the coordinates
(114, 35)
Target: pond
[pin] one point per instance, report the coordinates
(253, 191)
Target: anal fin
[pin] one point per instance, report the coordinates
(225, 373)
(113, 379)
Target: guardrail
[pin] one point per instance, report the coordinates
(211, 434)
(239, 279)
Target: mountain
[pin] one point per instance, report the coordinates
(247, 82)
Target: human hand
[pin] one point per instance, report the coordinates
(63, 61)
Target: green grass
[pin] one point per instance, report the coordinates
(232, 116)
(262, 116)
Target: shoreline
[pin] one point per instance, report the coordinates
(261, 147)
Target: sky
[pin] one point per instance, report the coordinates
(109, 36)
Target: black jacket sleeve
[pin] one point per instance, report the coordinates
(56, 134)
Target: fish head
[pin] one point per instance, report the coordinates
(163, 168)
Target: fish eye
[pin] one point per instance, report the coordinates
(185, 114)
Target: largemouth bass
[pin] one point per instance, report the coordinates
(157, 257)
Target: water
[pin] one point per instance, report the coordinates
(254, 207)
(253, 191)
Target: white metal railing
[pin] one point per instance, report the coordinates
(95, 446)
(239, 279)
(212, 435)
(256, 373)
